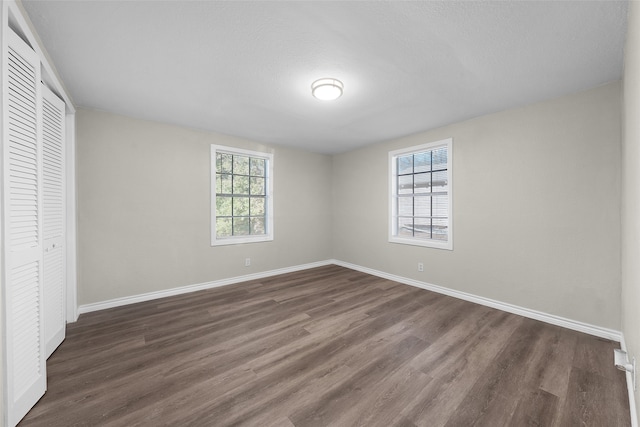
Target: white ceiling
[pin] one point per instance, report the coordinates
(245, 68)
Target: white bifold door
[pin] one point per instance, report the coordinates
(53, 216)
(33, 206)
(22, 179)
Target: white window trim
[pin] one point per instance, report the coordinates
(236, 240)
(393, 238)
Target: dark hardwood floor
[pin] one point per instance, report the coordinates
(326, 346)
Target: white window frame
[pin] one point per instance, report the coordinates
(393, 195)
(234, 240)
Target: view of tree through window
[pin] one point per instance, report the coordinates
(241, 195)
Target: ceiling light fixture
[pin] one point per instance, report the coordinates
(327, 89)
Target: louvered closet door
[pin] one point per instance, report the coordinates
(25, 352)
(53, 215)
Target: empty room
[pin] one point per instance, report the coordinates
(320, 213)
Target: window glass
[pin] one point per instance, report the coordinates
(421, 196)
(242, 208)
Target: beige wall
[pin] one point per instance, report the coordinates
(631, 189)
(144, 209)
(536, 208)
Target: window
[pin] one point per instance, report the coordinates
(421, 195)
(242, 196)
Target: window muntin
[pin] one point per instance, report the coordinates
(421, 196)
(242, 202)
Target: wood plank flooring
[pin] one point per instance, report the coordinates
(326, 346)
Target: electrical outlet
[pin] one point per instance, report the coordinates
(247, 262)
(420, 266)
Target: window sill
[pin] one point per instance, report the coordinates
(426, 244)
(240, 240)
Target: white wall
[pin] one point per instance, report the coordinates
(536, 208)
(631, 189)
(144, 209)
(3, 414)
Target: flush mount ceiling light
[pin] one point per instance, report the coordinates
(327, 89)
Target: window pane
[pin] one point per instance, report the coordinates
(405, 184)
(223, 227)
(257, 167)
(422, 183)
(405, 227)
(241, 206)
(223, 206)
(240, 184)
(257, 206)
(422, 162)
(405, 206)
(421, 197)
(257, 225)
(422, 206)
(405, 164)
(440, 206)
(225, 163)
(440, 158)
(440, 182)
(225, 184)
(218, 162)
(240, 165)
(257, 186)
(240, 190)
(441, 229)
(422, 228)
(240, 226)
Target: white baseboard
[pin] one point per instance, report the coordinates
(630, 390)
(118, 302)
(522, 311)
